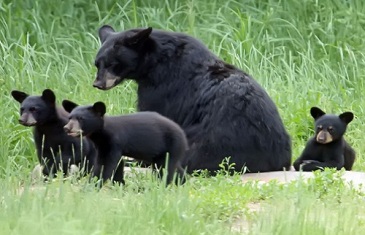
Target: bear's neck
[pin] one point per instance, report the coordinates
(173, 56)
(52, 126)
(101, 138)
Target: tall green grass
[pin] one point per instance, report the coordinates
(304, 53)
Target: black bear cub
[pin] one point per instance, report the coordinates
(328, 147)
(144, 136)
(55, 149)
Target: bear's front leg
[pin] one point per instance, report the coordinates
(312, 165)
(113, 168)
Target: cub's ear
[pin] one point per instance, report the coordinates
(104, 32)
(317, 112)
(69, 105)
(49, 96)
(137, 39)
(99, 108)
(19, 95)
(346, 117)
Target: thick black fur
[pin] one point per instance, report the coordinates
(223, 111)
(145, 136)
(335, 154)
(55, 149)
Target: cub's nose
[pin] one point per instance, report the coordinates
(66, 129)
(99, 85)
(25, 122)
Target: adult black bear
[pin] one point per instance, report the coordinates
(328, 147)
(145, 136)
(223, 111)
(55, 149)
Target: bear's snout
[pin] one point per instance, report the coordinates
(27, 120)
(72, 128)
(324, 137)
(66, 129)
(99, 85)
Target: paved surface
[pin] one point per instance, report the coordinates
(357, 178)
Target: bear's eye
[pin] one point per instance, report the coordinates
(32, 109)
(80, 118)
(330, 129)
(319, 128)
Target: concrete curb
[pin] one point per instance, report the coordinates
(355, 177)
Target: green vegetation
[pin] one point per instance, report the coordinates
(305, 53)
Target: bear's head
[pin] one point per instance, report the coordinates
(84, 120)
(36, 110)
(330, 127)
(119, 56)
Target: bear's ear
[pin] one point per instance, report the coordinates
(104, 32)
(346, 117)
(99, 108)
(137, 39)
(69, 105)
(317, 112)
(49, 96)
(19, 95)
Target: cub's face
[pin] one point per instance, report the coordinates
(119, 56)
(35, 110)
(83, 120)
(330, 127)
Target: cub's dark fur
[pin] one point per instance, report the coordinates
(55, 149)
(223, 111)
(328, 147)
(145, 136)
